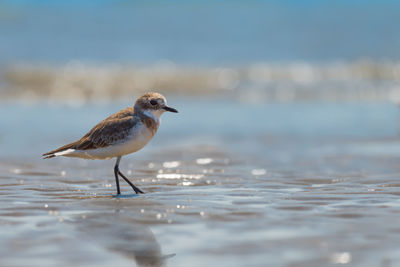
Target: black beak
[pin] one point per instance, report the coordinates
(170, 109)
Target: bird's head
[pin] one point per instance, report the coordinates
(153, 103)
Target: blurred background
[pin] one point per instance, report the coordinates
(228, 62)
(288, 131)
(78, 51)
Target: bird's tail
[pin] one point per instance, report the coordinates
(45, 156)
(57, 152)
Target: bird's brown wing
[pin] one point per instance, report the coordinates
(106, 133)
(109, 131)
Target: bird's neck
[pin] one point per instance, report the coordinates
(149, 114)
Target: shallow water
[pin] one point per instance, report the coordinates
(227, 183)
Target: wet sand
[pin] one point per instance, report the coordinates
(299, 185)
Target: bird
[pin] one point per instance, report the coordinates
(122, 133)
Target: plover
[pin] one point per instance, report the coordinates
(122, 133)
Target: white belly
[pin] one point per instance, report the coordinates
(136, 140)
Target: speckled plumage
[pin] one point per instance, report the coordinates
(111, 130)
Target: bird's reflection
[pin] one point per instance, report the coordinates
(123, 235)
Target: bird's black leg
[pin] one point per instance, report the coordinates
(116, 170)
(137, 190)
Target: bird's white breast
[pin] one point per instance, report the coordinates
(139, 136)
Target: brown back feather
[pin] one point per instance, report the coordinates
(107, 132)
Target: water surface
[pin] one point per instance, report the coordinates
(226, 182)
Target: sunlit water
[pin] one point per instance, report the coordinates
(227, 184)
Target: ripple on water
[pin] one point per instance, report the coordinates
(200, 205)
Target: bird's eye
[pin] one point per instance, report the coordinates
(153, 102)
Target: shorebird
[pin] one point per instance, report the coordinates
(122, 133)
